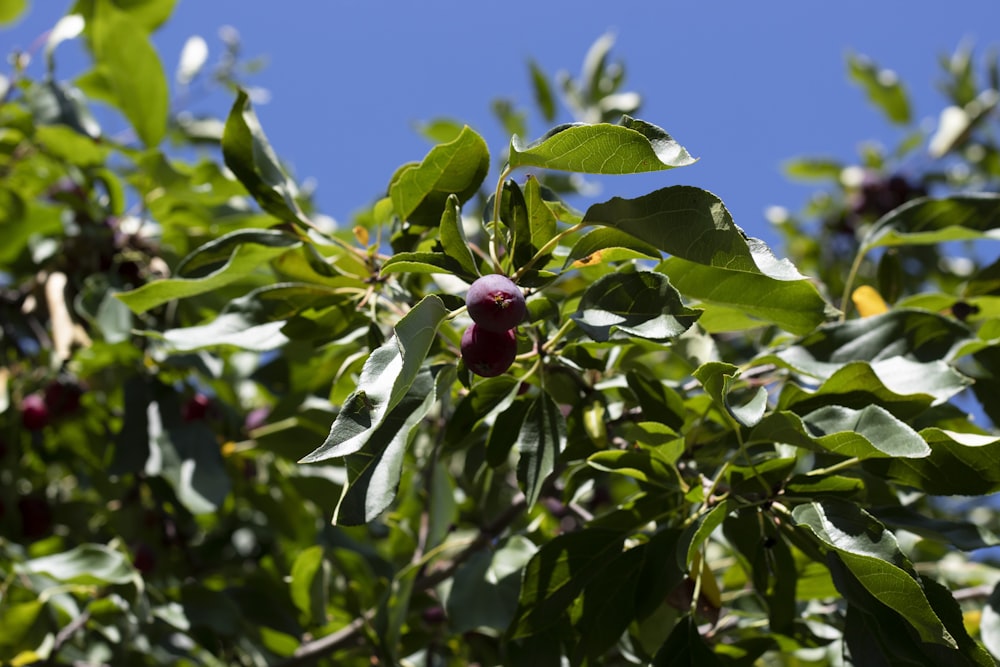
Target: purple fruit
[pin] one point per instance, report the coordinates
(196, 408)
(488, 353)
(495, 303)
(34, 412)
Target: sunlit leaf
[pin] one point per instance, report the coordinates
(631, 147)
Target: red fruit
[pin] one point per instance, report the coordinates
(34, 412)
(495, 303)
(488, 353)
(62, 398)
(196, 408)
(143, 558)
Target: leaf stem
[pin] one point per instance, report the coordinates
(836, 467)
(851, 276)
(495, 223)
(547, 248)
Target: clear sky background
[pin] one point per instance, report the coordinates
(743, 85)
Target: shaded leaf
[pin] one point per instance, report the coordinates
(686, 647)
(485, 588)
(541, 437)
(642, 304)
(959, 464)
(557, 574)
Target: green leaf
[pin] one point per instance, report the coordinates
(659, 402)
(872, 555)
(607, 244)
(131, 67)
(869, 432)
(883, 88)
(557, 574)
(795, 306)
(87, 564)
(541, 437)
(419, 192)
(857, 385)
(989, 624)
(308, 584)
(718, 379)
(641, 304)
(966, 217)
(646, 464)
(385, 380)
(960, 534)
(631, 147)
(484, 401)
(485, 589)
(531, 221)
(542, 92)
(453, 240)
(813, 169)
(11, 11)
(607, 606)
(700, 530)
(246, 259)
(959, 464)
(425, 262)
(18, 621)
(373, 472)
(250, 156)
(187, 456)
(685, 647)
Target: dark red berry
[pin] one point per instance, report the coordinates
(34, 413)
(488, 353)
(196, 408)
(495, 303)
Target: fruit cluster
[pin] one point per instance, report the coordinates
(496, 306)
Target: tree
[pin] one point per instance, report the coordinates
(234, 435)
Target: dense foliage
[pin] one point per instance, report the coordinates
(232, 433)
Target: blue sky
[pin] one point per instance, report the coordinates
(744, 86)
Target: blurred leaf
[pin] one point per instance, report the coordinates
(87, 564)
(308, 586)
(187, 455)
(868, 301)
(634, 146)
(965, 217)
(883, 88)
(989, 625)
(245, 259)
(642, 304)
(813, 169)
(11, 11)
(541, 437)
(129, 63)
(419, 192)
(542, 91)
(250, 156)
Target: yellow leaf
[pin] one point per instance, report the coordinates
(361, 234)
(25, 658)
(868, 301)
